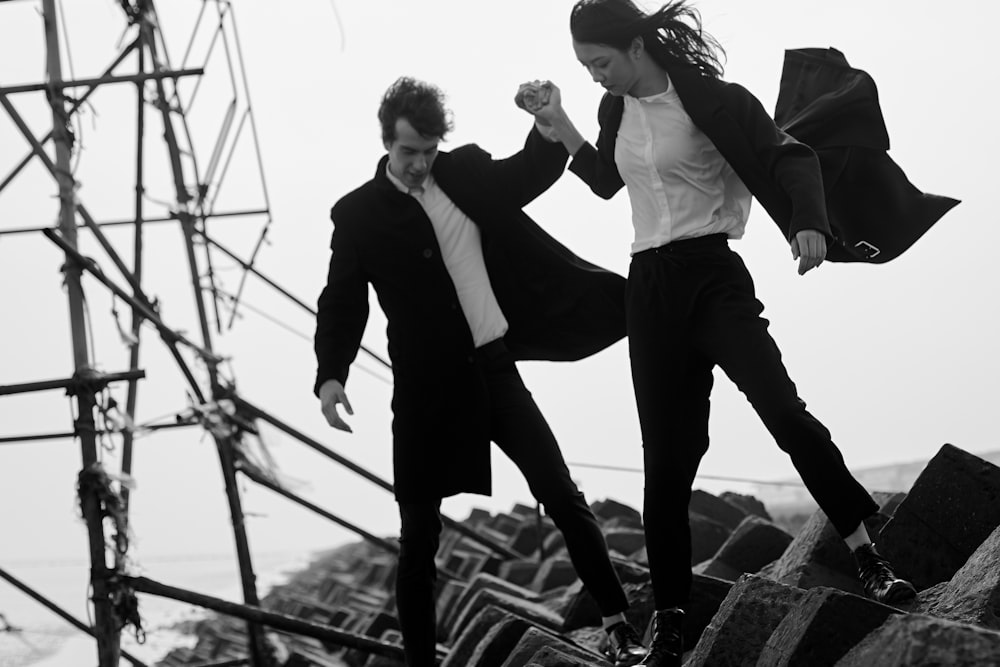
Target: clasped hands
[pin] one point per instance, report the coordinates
(539, 98)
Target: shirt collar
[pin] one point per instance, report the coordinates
(664, 96)
(402, 187)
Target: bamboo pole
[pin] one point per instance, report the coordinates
(131, 221)
(66, 383)
(258, 616)
(76, 105)
(313, 444)
(133, 387)
(169, 336)
(108, 649)
(215, 244)
(59, 611)
(268, 484)
(99, 81)
(224, 443)
(84, 214)
(6, 440)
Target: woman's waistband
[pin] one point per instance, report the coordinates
(692, 244)
(493, 350)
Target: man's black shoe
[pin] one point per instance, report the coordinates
(878, 580)
(624, 647)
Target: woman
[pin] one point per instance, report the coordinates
(691, 150)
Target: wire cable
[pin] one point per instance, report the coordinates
(721, 478)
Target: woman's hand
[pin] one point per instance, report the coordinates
(539, 98)
(543, 100)
(809, 247)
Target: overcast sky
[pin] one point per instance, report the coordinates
(895, 359)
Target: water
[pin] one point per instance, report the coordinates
(46, 640)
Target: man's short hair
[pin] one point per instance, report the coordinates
(422, 104)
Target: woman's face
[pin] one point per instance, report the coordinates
(608, 66)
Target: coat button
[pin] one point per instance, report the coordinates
(428, 253)
(454, 306)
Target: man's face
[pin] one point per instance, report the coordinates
(411, 154)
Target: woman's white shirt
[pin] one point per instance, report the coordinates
(679, 184)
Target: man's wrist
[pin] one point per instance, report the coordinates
(568, 134)
(547, 131)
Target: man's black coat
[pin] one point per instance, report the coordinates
(558, 306)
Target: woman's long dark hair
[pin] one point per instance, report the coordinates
(672, 34)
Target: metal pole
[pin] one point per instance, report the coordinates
(224, 443)
(108, 649)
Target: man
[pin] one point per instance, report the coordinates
(469, 284)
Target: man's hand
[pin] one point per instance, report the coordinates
(809, 247)
(541, 99)
(331, 393)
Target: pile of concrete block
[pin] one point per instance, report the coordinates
(805, 609)
(761, 596)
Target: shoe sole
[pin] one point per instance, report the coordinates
(899, 592)
(629, 661)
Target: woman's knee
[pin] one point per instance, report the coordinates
(420, 523)
(564, 502)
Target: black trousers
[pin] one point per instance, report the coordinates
(690, 306)
(519, 429)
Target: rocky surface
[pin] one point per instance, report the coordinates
(761, 595)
